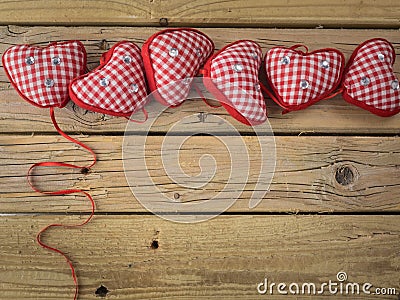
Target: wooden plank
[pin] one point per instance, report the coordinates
(313, 174)
(350, 13)
(99, 39)
(223, 258)
(128, 12)
(336, 14)
(333, 116)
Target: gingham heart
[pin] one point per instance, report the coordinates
(41, 75)
(172, 58)
(369, 81)
(117, 87)
(231, 75)
(299, 79)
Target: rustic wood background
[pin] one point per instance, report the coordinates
(334, 199)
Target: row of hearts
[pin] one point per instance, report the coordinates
(378, 106)
(275, 95)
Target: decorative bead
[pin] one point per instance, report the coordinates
(381, 57)
(254, 55)
(324, 64)
(173, 52)
(395, 85)
(365, 81)
(104, 81)
(257, 86)
(198, 52)
(186, 81)
(56, 61)
(30, 60)
(304, 84)
(127, 59)
(285, 60)
(237, 68)
(134, 88)
(49, 82)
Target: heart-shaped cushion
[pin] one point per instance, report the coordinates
(299, 79)
(41, 75)
(117, 87)
(231, 75)
(172, 58)
(369, 81)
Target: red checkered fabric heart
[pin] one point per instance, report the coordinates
(299, 79)
(369, 81)
(172, 58)
(117, 87)
(41, 75)
(231, 75)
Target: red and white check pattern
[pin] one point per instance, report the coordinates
(366, 63)
(241, 88)
(286, 78)
(173, 74)
(29, 80)
(118, 96)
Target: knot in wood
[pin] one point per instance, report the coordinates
(345, 175)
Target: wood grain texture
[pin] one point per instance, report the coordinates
(333, 116)
(274, 13)
(307, 175)
(341, 13)
(76, 11)
(223, 258)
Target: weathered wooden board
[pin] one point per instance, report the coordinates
(333, 116)
(223, 258)
(307, 176)
(350, 13)
(99, 39)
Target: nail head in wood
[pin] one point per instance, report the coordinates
(164, 22)
(154, 244)
(85, 171)
(102, 291)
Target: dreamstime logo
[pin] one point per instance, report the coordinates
(161, 172)
(333, 287)
(341, 276)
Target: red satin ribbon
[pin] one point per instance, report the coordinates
(63, 192)
(204, 98)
